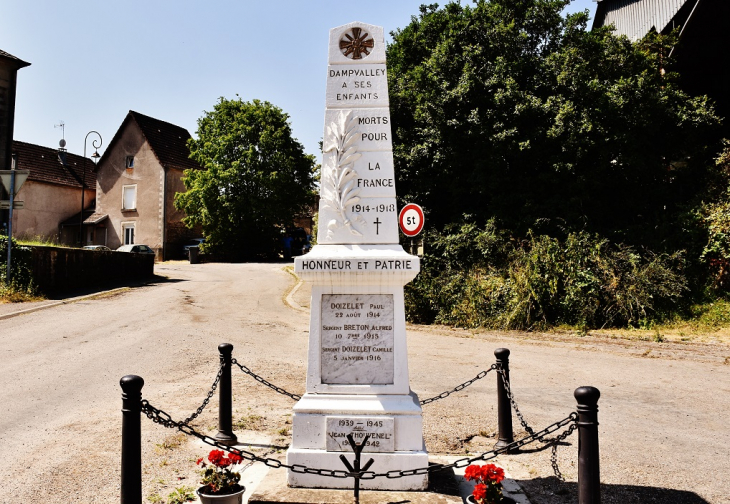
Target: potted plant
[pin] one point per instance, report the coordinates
(488, 489)
(220, 483)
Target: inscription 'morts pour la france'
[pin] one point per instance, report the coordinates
(357, 339)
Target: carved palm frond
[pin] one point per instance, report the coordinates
(339, 192)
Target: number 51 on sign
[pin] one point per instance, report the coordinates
(411, 219)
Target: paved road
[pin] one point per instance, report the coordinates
(664, 437)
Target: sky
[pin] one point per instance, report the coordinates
(93, 61)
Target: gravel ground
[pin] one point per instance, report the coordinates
(662, 434)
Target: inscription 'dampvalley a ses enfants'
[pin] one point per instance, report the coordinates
(357, 339)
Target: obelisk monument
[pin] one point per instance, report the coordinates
(357, 378)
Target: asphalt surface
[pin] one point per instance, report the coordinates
(663, 431)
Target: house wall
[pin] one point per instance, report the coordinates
(7, 83)
(147, 175)
(45, 206)
(177, 234)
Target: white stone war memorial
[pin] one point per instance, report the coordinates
(357, 378)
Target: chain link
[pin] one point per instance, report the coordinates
(554, 455)
(207, 399)
(162, 418)
(443, 395)
(297, 397)
(261, 380)
(542, 439)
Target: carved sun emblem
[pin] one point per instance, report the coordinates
(355, 45)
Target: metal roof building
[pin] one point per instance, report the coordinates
(636, 18)
(702, 55)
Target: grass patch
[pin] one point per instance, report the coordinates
(702, 322)
(249, 422)
(110, 294)
(13, 294)
(170, 443)
(40, 241)
(181, 495)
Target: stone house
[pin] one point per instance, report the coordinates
(137, 179)
(52, 194)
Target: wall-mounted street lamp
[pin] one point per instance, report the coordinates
(95, 143)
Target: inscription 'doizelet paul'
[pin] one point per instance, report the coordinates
(357, 339)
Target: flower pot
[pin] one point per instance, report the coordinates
(234, 498)
(505, 500)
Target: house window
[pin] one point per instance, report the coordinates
(129, 197)
(128, 233)
(129, 163)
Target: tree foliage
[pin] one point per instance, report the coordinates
(507, 109)
(256, 177)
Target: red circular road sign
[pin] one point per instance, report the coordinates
(411, 219)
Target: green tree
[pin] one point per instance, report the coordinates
(256, 177)
(507, 109)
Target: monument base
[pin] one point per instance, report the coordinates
(394, 424)
(383, 462)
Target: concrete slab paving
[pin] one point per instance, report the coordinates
(445, 487)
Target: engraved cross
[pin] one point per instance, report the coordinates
(377, 225)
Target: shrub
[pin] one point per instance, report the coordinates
(487, 278)
(22, 277)
(714, 218)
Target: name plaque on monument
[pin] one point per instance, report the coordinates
(357, 339)
(380, 429)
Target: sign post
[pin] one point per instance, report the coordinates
(12, 185)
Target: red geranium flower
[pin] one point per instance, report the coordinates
(488, 479)
(473, 472)
(215, 456)
(491, 472)
(235, 458)
(480, 491)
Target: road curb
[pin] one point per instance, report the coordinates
(289, 298)
(58, 303)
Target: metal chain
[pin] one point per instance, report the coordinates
(442, 395)
(297, 397)
(554, 455)
(207, 399)
(259, 379)
(542, 439)
(252, 462)
(505, 381)
(162, 418)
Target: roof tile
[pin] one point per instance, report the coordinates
(46, 166)
(169, 142)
